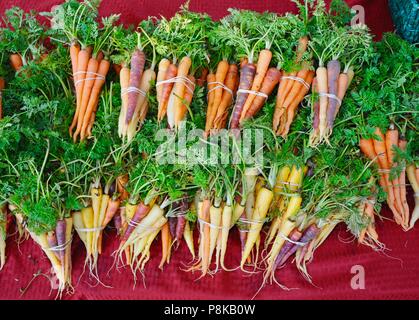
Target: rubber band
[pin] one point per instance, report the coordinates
(298, 243)
(331, 96)
(125, 91)
(79, 72)
(175, 215)
(290, 183)
(256, 93)
(220, 85)
(98, 77)
(250, 221)
(89, 229)
(143, 227)
(213, 226)
(384, 170)
(61, 247)
(416, 194)
(182, 79)
(298, 79)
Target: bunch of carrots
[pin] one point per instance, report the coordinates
(256, 84)
(221, 87)
(56, 245)
(175, 88)
(292, 90)
(141, 223)
(382, 149)
(91, 220)
(368, 235)
(330, 84)
(135, 86)
(283, 233)
(176, 228)
(89, 75)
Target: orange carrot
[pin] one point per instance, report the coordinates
(161, 74)
(95, 94)
(74, 53)
(166, 90)
(179, 88)
(380, 150)
(202, 78)
(165, 233)
(227, 98)
(111, 210)
(293, 107)
(16, 61)
(367, 148)
(265, 57)
(391, 141)
(220, 76)
(279, 109)
(187, 99)
(294, 98)
(343, 84)
(89, 81)
(211, 95)
(82, 62)
(269, 83)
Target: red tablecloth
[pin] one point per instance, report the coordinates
(392, 274)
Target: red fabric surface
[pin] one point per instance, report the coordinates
(389, 275)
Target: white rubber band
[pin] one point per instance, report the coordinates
(179, 79)
(290, 183)
(331, 96)
(175, 215)
(384, 170)
(90, 229)
(256, 93)
(125, 91)
(250, 221)
(60, 247)
(141, 227)
(79, 72)
(219, 85)
(300, 80)
(213, 226)
(298, 243)
(98, 77)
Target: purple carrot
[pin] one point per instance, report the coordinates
(294, 235)
(333, 71)
(52, 242)
(140, 213)
(60, 231)
(247, 73)
(172, 226)
(181, 219)
(117, 221)
(137, 68)
(309, 234)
